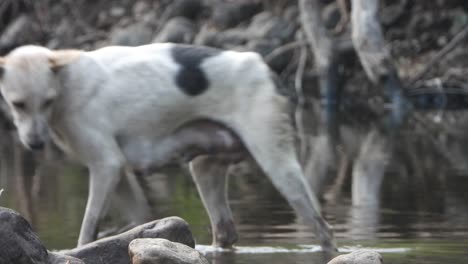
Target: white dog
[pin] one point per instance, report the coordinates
(122, 108)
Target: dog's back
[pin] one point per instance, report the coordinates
(166, 84)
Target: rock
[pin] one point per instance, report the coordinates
(177, 30)
(117, 11)
(140, 8)
(267, 32)
(265, 47)
(62, 35)
(115, 249)
(132, 35)
(22, 30)
(268, 26)
(206, 36)
(186, 8)
(230, 14)
(362, 256)
(155, 251)
(232, 37)
(18, 243)
(56, 258)
(221, 39)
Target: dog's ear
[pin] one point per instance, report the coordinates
(2, 66)
(60, 58)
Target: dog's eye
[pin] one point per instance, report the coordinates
(47, 103)
(19, 105)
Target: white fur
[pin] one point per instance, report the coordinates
(130, 94)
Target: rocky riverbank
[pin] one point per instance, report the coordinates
(167, 240)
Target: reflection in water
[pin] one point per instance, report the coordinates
(416, 213)
(364, 222)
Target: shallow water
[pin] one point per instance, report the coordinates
(404, 230)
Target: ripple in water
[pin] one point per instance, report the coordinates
(206, 249)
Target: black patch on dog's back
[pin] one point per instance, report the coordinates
(191, 78)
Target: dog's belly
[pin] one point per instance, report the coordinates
(200, 137)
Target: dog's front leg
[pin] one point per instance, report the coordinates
(104, 177)
(106, 166)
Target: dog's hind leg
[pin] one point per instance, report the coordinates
(210, 176)
(268, 134)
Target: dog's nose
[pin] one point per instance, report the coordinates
(38, 145)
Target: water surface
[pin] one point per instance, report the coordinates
(405, 228)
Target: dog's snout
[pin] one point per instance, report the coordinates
(37, 145)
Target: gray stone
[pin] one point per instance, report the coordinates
(177, 30)
(159, 251)
(222, 39)
(140, 8)
(62, 35)
(362, 256)
(268, 26)
(132, 35)
(265, 46)
(56, 258)
(22, 30)
(187, 8)
(117, 11)
(206, 36)
(115, 249)
(18, 243)
(231, 37)
(230, 14)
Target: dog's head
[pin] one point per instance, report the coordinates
(29, 85)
